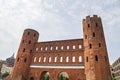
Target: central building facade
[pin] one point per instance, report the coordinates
(75, 59)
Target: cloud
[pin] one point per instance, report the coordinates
(55, 19)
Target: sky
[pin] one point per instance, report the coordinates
(56, 20)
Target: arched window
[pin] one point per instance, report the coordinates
(93, 34)
(39, 59)
(90, 45)
(29, 42)
(18, 59)
(67, 47)
(96, 57)
(49, 59)
(73, 46)
(80, 46)
(55, 60)
(44, 59)
(80, 59)
(25, 60)
(34, 59)
(61, 59)
(23, 49)
(61, 47)
(67, 59)
(73, 59)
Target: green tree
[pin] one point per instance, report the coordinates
(5, 74)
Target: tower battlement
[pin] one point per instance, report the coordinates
(75, 59)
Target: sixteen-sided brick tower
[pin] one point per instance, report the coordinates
(74, 59)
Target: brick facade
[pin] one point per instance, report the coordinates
(76, 59)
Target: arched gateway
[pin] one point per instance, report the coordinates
(73, 59)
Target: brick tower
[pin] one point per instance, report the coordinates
(23, 59)
(95, 53)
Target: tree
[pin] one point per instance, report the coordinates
(5, 74)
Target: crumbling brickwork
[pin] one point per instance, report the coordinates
(76, 59)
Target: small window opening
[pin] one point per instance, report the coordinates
(99, 44)
(90, 45)
(96, 24)
(96, 58)
(55, 60)
(73, 46)
(56, 47)
(61, 59)
(61, 47)
(80, 46)
(93, 34)
(68, 47)
(88, 25)
(18, 59)
(67, 59)
(23, 49)
(73, 59)
(29, 42)
(86, 59)
(28, 33)
(25, 60)
(34, 35)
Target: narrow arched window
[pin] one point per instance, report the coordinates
(61, 59)
(25, 60)
(67, 59)
(88, 25)
(90, 45)
(96, 57)
(80, 59)
(99, 44)
(73, 59)
(23, 49)
(86, 59)
(93, 34)
(29, 42)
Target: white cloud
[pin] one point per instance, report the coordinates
(61, 19)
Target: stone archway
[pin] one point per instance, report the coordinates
(63, 76)
(45, 75)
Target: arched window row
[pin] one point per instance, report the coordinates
(51, 48)
(58, 59)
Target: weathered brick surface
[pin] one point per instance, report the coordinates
(67, 56)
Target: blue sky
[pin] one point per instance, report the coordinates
(56, 20)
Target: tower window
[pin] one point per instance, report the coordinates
(88, 25)
(29, 42)
(25, 60)
(17, 59)
(73, 59)
(99, 44)
(86, 59)
(23, 49)
(96, 57)
(28, 33)
(90, 45)
(93, 34)
(96, 24)
(30, 51)
(34, 35)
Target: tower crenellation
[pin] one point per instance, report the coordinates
(75, 59)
